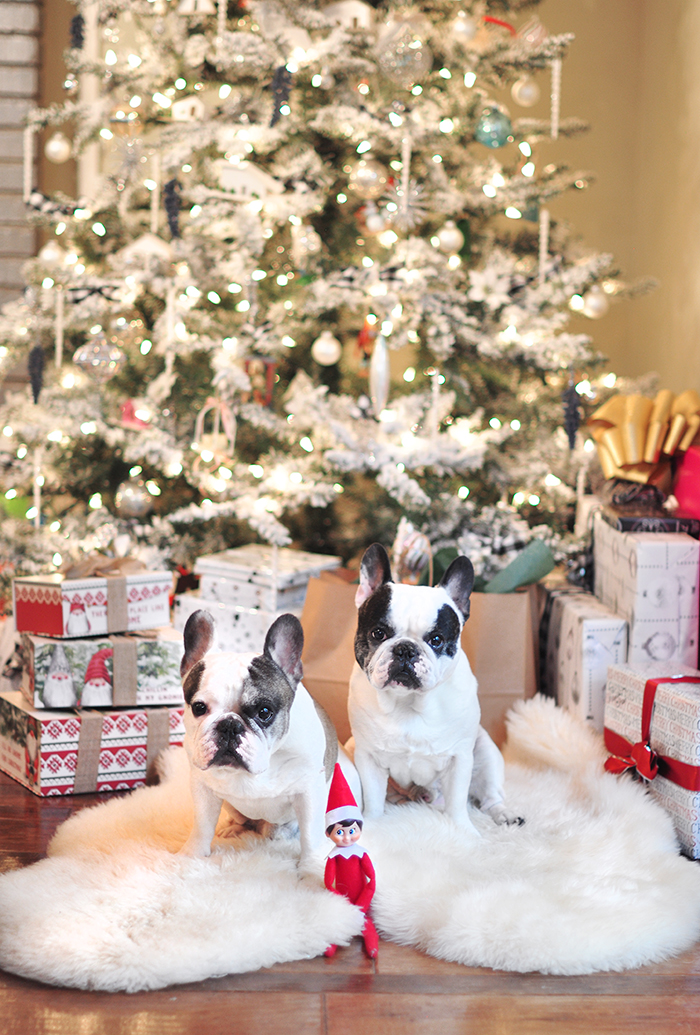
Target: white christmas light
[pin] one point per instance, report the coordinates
(47, 282)
(363, 147)
(533, 500)
(417, 91)
(213, 297)
(11, 494)
(609, 380)
(518, 499)
(495, 423)
(161, 100)
(525, 148)
(99, 229)
(95, 501)
(258, 275)
(55, 436)
(528, 169)
(445, 73)
(409, 374)
(288, 341)
(489, 190)
(463, 491)
(181, 83)
(133, 60)
(225, 91)
(8, 431)
(469, 79)
(551, 480)
(306, 444)
(110, 58)
(576, 303)
(145, 347)
(256, 470)
(515, 425)
(513, 213)
(106, 134)
(589, 445)
(446, 125)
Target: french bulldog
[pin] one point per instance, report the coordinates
(256, 740)
(413, 703)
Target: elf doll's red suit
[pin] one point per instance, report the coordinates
(349, 869)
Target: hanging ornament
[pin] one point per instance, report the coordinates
(58, 148)
(493, 128)
(595, 304)
(306, 242)
(135, 413)
(404, 57)
(572, 416)
(35, 365)
(100, 358)
(379, 375)
(525, 92)
(365, 339)
(218, 443)
(261, 371)
(132, 499)
(450, 237)
(281, 89)
(70, 83)
(368, 178)
(375, 220)
(326, 350)
(464, 28)
(77, 32)
(171, 202)
(533, 33)
(51, 255)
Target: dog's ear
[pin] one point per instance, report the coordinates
(375, 570)
(284, 643)
(198, 636)
(458, 582)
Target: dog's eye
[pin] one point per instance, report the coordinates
(265, 715)
(436, 641)
(378, 634)
(199, 708)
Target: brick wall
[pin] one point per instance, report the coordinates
(19, 91)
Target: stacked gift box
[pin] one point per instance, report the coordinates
(247, 588)
(95, 641)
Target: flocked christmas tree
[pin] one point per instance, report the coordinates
(311, 285)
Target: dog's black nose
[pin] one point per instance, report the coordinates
(405, 650)
(230, 726)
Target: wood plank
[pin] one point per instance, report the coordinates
(522, 1015)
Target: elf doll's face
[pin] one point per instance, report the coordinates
(343, 837)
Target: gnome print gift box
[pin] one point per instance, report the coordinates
(100, 596)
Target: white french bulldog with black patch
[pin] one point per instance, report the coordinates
(257, 742)
(413, 703)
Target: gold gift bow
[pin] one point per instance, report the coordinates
(633, 433)
(97, 564)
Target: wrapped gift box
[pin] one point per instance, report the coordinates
(651, 579)
(585, 637)
(79, 752)
(120, 671)
(656, 709)
(626, 519)
(52, 605)
(256, 576)
(239, 629)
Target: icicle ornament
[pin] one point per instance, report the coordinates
(379, 375)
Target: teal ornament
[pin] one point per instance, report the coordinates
(494, 128)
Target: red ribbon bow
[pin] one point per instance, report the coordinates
(641, 756)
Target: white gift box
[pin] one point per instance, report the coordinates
(589, 639)
(240, 629)
(651, 579)
(674, 737)
(257, 575)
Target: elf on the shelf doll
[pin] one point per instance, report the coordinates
(349, 869)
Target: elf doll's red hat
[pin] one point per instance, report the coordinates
(341, 803)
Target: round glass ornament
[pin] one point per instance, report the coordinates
(525, 92)
(404, 57)
(132, 499)
(368, 179)
(595, 304)
(100, 358)
(493, 128)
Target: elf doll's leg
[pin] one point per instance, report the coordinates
(371, 939)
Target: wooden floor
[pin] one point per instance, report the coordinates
(401, 993)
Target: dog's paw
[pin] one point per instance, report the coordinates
(503, 816)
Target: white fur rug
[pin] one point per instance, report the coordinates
(593, 881)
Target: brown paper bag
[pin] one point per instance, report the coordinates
(499, 640)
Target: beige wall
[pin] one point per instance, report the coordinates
(633, 72)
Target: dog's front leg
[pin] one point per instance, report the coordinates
(310, 810)
(374, 779)
(207, 808)
(455, 783)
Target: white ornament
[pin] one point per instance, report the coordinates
(246, 180)
(352, 14)
(464, 27)
(99, 358)
(132, 499)
(52, 255)
(525, 92)
(58, 148)
(595, 304)
(196, 7)
(326, 350)
(188, 109)
(368, 178)
(450, 237)
(379, 375)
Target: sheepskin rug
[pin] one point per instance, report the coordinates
(592, 881)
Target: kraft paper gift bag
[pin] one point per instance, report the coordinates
(499, 639)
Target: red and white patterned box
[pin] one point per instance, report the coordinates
(652, 724)
(52, 605)
(75, 752)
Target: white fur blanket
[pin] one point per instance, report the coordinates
(592, 881)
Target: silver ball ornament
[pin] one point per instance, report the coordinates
(525, 92)
(595, 304)
(326, 350)
(450, 237)
(368, 179)
(100, 358)
(58, 148)
(132, 499)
